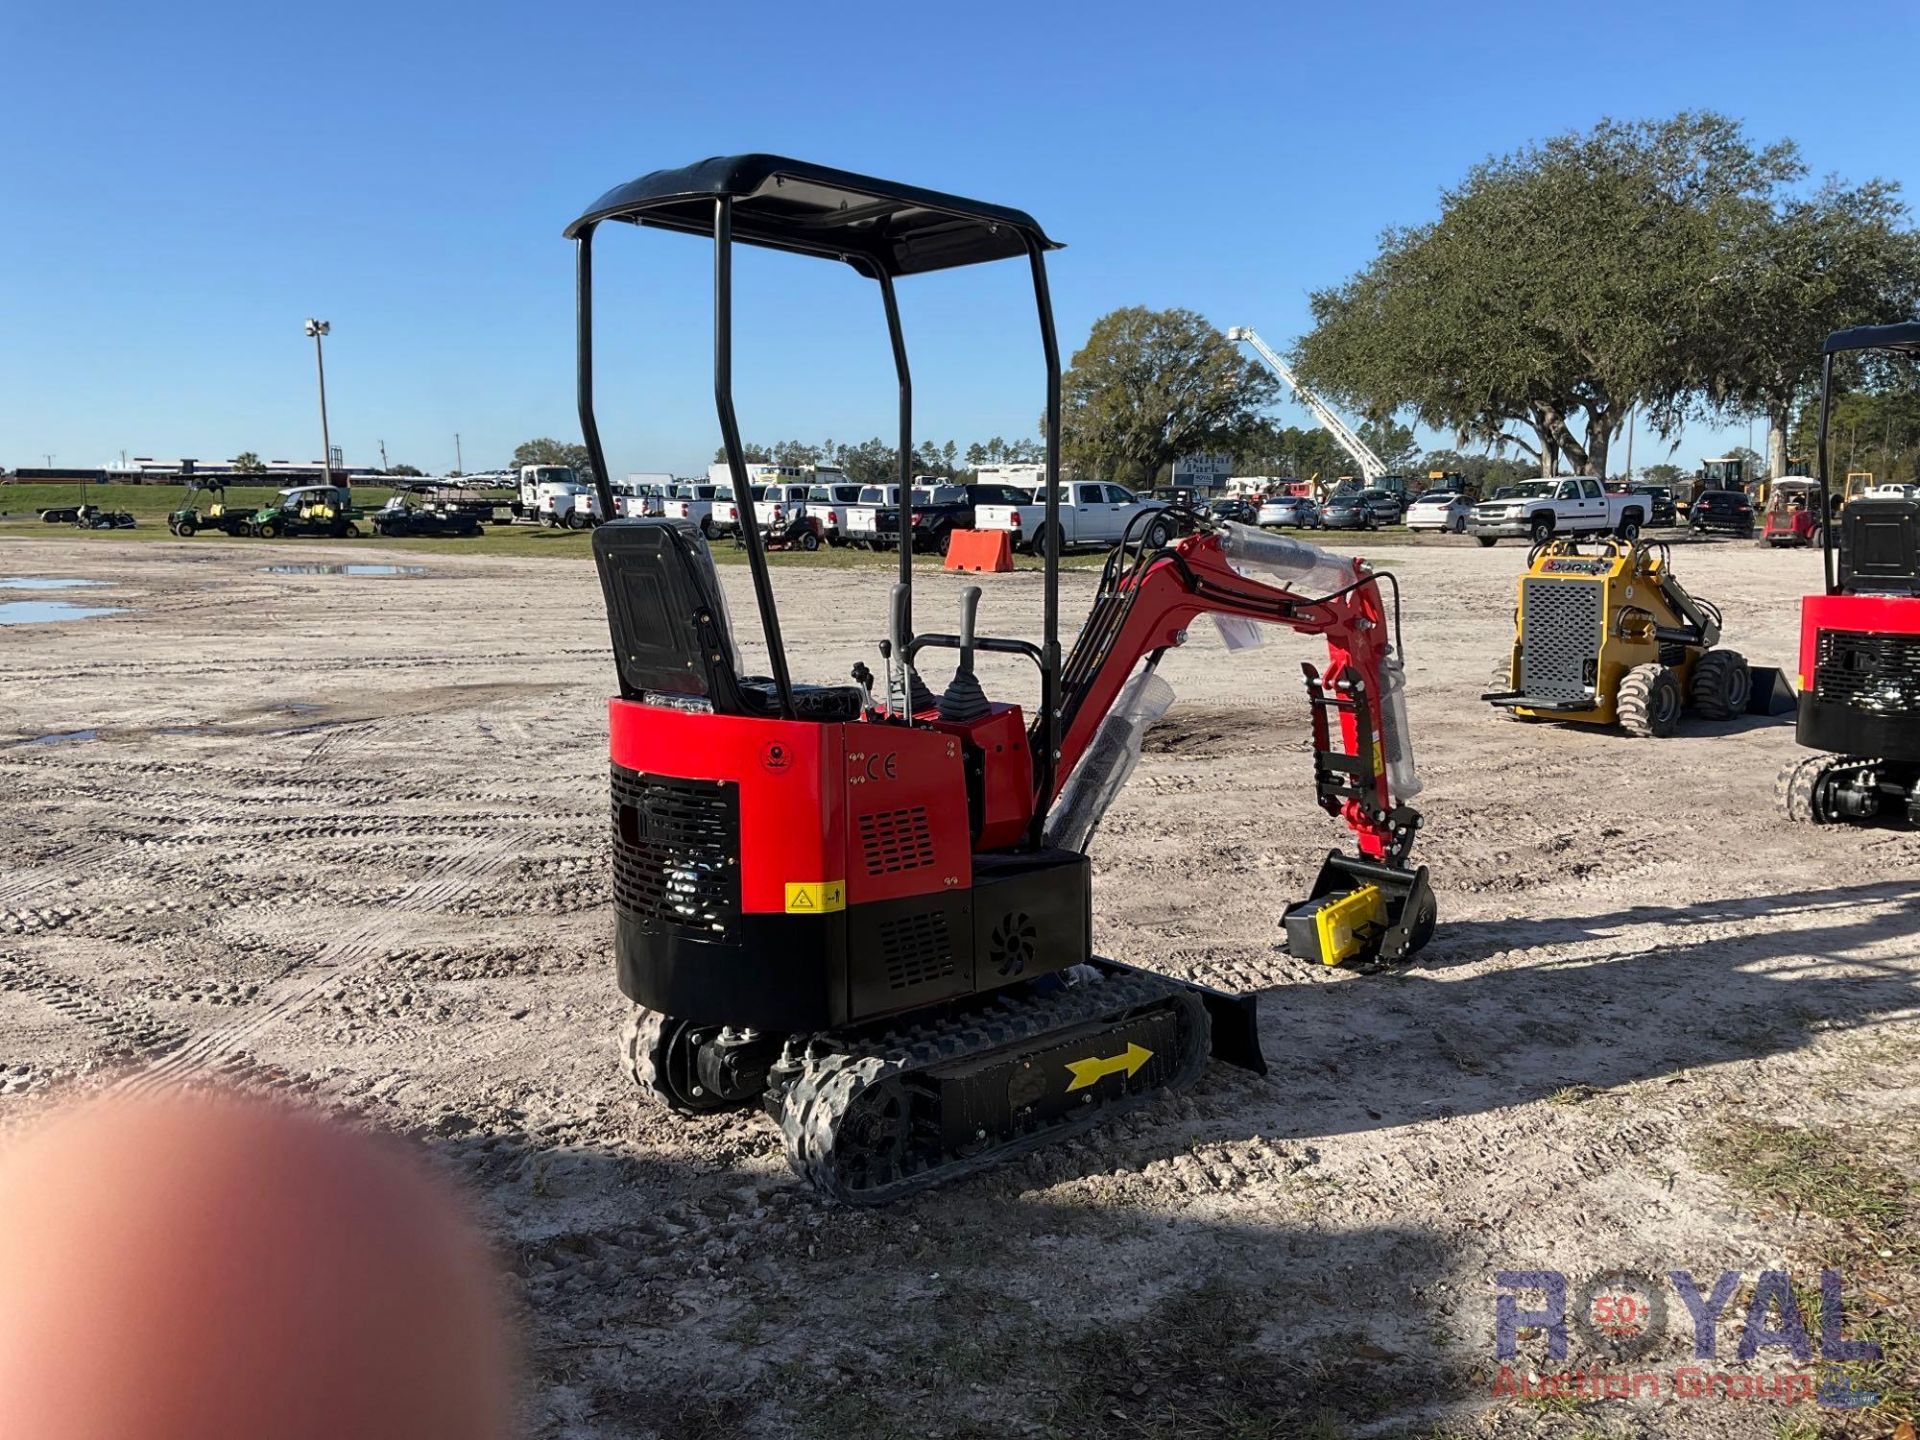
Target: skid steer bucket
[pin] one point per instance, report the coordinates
(1770, 693)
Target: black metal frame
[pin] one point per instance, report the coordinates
(1903, 338)
(1045, 733)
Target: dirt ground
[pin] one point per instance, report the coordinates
(346, 835)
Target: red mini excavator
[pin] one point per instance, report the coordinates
(868, 907)
(1860, 640)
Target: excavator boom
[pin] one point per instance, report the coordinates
(1363, 762)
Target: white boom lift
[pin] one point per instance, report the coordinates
(1371, 465)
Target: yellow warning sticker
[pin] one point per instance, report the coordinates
(816, 897)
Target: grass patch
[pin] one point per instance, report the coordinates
(1812, 1172)
(1572, 1095)
(147, 501)
(1870, 1215)
(151, 504)
(1196, 1366)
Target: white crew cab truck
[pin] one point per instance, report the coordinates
(1538, 510)
(1091, 513)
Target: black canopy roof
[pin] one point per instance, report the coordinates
(1903, 336)
(877, 226)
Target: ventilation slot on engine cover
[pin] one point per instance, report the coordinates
(674, 843)
(917, 949)
(1877, 673)
(1560, 639)
(896, 840)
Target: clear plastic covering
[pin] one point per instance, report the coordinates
(1237, 632)
(1396, 739)
(1305, 569)
(1110, 759)
(1309, 571)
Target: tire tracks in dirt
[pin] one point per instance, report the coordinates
(218, 1048)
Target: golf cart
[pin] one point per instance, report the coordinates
(92, 517)
(190, 518)
(1793, 513)
(400, 517)
(308, 510)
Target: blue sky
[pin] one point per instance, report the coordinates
(182, 185)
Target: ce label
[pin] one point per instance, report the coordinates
(883, 767)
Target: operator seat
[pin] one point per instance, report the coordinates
(1880, 546)
(672, 642)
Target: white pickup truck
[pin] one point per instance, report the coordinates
(1538, 510)
(1091, 513)
(782, 513)
(636, 498)
(832, 505)
(703, 504)
(862, 518)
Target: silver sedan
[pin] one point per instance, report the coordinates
(1288, 512)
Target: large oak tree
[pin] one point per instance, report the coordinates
(1803, 268)
(1150, 386)
(1659, 264)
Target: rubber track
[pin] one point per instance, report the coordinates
(1801, 778)
(820, 1100)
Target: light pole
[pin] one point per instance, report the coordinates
(318, 328)
(459, 464)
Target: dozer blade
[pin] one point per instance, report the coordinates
(1362, 912)
(1233, 1019)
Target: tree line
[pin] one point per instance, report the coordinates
(1670, 270)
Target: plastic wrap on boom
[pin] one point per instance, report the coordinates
(1110, 758)
(1305, 569)
(1396, 739)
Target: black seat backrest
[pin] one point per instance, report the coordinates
(1880, 546)
(670, 634)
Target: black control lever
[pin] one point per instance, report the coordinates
(914, 695)
(863, 677)
(964, 700)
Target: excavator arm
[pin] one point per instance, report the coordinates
(1365, 907)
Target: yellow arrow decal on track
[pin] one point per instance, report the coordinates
(1097, 1067)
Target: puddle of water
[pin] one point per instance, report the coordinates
(52, 737)
(43, 612)
(60, 737)
(343, 569)
(25, 582)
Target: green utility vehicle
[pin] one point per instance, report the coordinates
(308, 510)
(195, 515)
